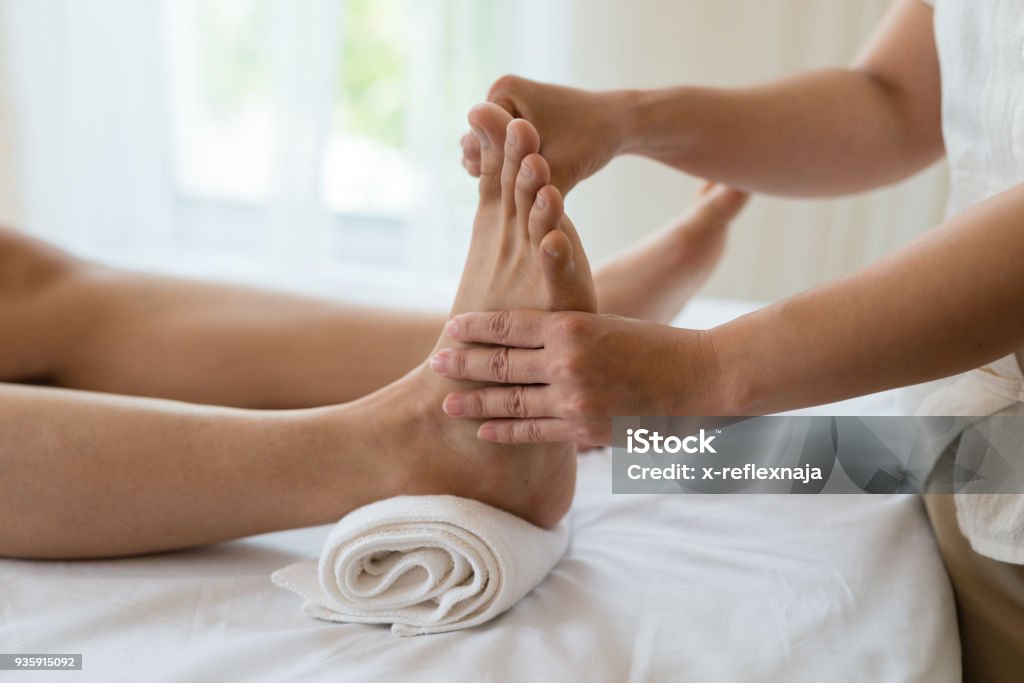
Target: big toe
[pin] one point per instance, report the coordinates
(489, 122)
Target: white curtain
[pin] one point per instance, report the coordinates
(86, 97)
(115, 150)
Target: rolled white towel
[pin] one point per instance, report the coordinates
(425, 564)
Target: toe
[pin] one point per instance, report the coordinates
(718, 204)
(471, 154)
(488, 122)
(559, 270)
(534, 173)
(521, 139)
(546, 212)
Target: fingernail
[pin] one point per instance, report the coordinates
(541, 202)
(481, 136)
(453, 405)
(526, 171)
(452, 329)
(487, 432)
(551, 251)
(511, 138)
(439, 363)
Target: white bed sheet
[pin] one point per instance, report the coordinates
(654, 588)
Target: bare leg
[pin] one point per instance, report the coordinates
(82, 326)
(78, 325)
(88, 475)
(654, 279)
(95, 475)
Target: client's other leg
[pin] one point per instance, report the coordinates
(233, 345)
(653, 279)
(77, 325)
(92, 475)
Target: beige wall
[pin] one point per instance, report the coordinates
(778, 247)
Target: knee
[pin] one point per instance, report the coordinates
(28, 265)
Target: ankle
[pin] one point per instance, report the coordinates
(341, 458)
(422, 451)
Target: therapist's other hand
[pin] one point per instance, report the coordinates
(580, 131)
(562, 376)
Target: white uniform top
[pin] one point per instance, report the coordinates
(981, 53)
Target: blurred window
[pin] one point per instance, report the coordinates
(271, 140)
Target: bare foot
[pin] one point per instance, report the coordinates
(524, 250)
(655, 278)
(524, 253)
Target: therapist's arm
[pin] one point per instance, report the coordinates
(950, 301)
(829, 132)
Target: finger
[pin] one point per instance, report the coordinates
(502, 365)
(492, 402)
(508, 105)
(532, 430)
(506, 90)
(523, 328)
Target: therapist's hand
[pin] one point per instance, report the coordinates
(580, 130)
(562, 376)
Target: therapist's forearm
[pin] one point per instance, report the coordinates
(949, 302)
(829, 132)
(826, 133)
